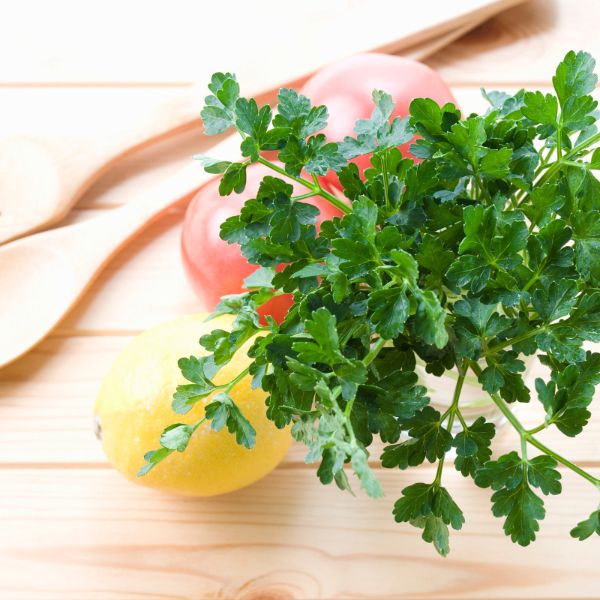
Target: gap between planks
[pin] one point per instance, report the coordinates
(287, 466)
(150, 85)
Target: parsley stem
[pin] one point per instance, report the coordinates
(439, 471)
(236, 379)
(523, 337)
(461, 419)
(524, 448)
(585, 144)
(314, 187)
(475, 191)
(546, 158)
(537, 429)
(561, 160)
(304, 196)
(462, 372)
(528, 437)
(446, 413)
(499, 402)
(536, 275)
(573, 163)
(386, 178)
(513, 341)
(516, 201)
(198, 423)
(370, 357)
(567, 463)
(346, 413)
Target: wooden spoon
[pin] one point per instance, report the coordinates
(43, 275)
(70, 146)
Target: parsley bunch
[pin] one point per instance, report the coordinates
(484, 252)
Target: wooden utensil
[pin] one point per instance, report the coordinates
(45, 170)
(428, 47)
(43, 275)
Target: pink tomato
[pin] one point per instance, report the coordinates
(346, 88)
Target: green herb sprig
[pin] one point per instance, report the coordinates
(484, 252)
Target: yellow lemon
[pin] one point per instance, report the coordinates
(134, 406)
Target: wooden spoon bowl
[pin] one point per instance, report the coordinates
(46, 273)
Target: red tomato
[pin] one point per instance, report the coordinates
(346, 88)
(216, 268)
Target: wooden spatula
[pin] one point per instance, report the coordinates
(45, 167)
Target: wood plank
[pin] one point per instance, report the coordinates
(521, 45)
(47, 397)
(51, 49)
(74, 529)
(144, 285)
(88, 533)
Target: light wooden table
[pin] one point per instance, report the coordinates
(71, 528)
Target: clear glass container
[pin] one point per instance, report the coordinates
(474, 401)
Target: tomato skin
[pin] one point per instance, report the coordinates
(346, 88)
(216, 268)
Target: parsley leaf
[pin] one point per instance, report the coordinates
(568, 394)
(324, 346)
(574, 76)
(223, 411)
(428, 440)
(377, 133)
(512, 478)
(198, 370)
(555, 301)
(431, 508)
(390, 310)
(218, 115)
(587, 528)
(473, 446)
(484, 253)
(177, 437)
(523, 510)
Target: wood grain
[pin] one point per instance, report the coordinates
(536, 33)
(522, 45)
(188, 34)
(89, 534)
(71, 528)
